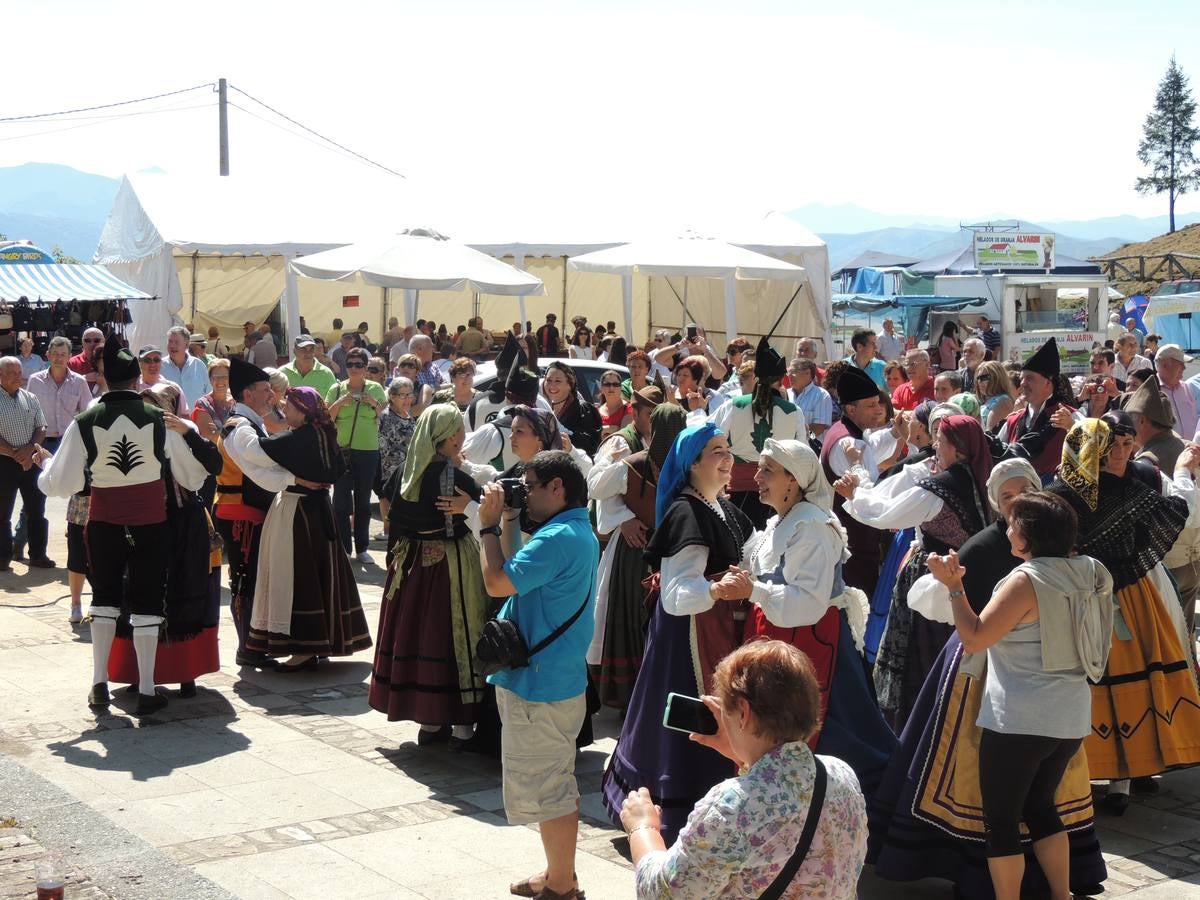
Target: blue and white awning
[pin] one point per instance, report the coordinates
(64, 282)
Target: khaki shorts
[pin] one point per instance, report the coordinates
(537, 750)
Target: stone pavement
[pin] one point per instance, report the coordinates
(289, 786)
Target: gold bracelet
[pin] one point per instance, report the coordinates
(645, 826)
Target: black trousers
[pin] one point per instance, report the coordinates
(1018, 775)
(127, 567)
(241, 548)
(14, 481)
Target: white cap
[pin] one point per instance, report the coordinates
(1172, 351)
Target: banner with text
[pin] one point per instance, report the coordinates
(1074, 347)
(1013, 250)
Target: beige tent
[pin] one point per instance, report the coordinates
(216, 251)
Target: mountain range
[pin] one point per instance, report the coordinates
(55, 205)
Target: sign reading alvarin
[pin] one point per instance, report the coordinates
(1013, 250)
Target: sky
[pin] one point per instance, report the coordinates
(614, 110)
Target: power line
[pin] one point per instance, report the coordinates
(104, 120)
(342, 147)
(290, 133)
(84, 109)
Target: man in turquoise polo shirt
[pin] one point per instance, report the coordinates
(542, 706)
(862, 347)
(305, 370)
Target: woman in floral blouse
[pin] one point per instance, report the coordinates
(396, 427)
(743, 832)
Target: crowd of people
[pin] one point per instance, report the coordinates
(923, 598)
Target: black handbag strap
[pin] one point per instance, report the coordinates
(562, 629)
(792, 866)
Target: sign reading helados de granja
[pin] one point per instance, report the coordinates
(1074, 347)
(1013, 250)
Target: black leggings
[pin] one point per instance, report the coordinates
(1019, 775)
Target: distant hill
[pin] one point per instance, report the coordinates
(51, 204)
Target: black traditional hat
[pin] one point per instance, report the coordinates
(768, 364)
(854, 384)
(1045, 361)
(242, 375)
(511, 350)
(521, 385)
(119, 364)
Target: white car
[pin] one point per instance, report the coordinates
(587, 372)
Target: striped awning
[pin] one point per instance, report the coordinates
(63, 282)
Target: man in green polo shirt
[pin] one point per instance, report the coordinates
(305, 371)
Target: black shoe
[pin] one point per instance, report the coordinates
(151, 703)
(187, 690)
(98, 696)
(1115, 804)
(1147, 785)
(254, 660)
(18, 552)
(309, 665)
(42, 562)
(425, 738)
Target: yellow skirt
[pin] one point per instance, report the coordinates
(1145, 711)
(948, 792)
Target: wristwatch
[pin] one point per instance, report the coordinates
(491, 529)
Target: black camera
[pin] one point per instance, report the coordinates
(516, 492)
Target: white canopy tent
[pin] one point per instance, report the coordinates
(215, 250)
(416, 260)
(48, 283)
(687, 257)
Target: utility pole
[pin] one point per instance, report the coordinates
(223, 120)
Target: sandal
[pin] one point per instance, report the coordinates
(526, 888)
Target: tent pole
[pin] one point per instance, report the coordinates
(564, 303)
(683, 303)
(383, 313)
(195, 260)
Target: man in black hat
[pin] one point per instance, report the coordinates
(749, 420)
(245, 489)
(489, 443)
(859, 397)
(1030, 432)
(121, 447)
(487, 407)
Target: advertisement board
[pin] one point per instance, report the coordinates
(1074, 347)
(1013, 250)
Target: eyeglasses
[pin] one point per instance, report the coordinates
(93, 340)
(983, 377)
(157, 361)
(403, 394)
(374, 370)
(356, 365)
(408, 367)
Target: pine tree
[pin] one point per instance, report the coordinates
(1168, 139)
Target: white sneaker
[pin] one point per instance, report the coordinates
(366, 559)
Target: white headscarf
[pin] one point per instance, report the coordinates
(938, 413)
(1006, 471)
(800, 461)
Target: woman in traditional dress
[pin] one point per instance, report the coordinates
(575, 414)
(798, 596)
(926, 818)
(434, 602)
(188, 647)
(948, 507)
(305, 598)
(625, 492)
(1145, 710)
(699, 535)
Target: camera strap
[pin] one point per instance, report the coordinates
(561, 629)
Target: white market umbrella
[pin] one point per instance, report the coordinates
(418, 260)
(687, 257)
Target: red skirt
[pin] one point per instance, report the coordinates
(176, 662)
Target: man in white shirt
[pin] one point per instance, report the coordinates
(889, 345)
(1169, 363)
(1128, 359)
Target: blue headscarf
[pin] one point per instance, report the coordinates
(673, 475)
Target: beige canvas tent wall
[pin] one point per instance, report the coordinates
(215, 250)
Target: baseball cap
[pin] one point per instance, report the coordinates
(1172, 351)
(304, 340)
(147, 350)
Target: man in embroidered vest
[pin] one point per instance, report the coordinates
(1029, 433)
(859, 397)
(749, 420)
(244, 494)
(122, 446)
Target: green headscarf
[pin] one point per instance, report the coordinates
(437, 423)
(967, 402)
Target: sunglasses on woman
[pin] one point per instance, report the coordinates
(355, 365)
(615, 384)
(374, 371)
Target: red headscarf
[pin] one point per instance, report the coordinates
(967, 435)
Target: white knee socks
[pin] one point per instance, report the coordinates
(145, 644)
(103, 632)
